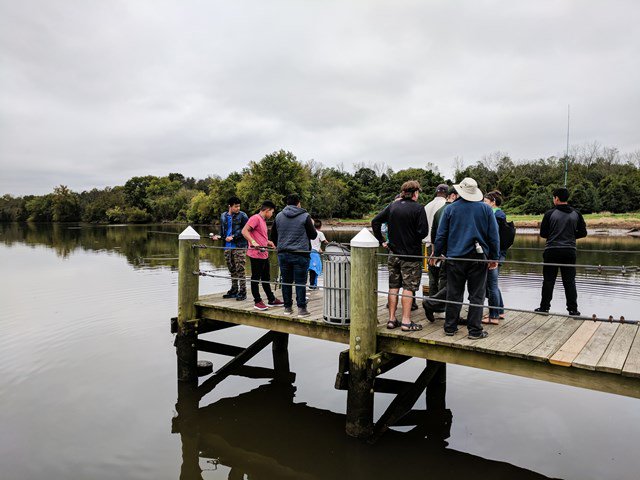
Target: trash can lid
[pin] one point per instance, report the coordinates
(334, 248)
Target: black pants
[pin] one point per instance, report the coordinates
(313, 278)
(440, 294)
(434, 280)
(474, 275)
(260, 272)
(549, 273)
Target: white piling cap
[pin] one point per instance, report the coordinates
(364, 239)
(189, 234)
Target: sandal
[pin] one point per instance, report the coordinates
(391, 324)
(411, 327)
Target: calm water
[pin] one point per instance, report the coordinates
(88, 389)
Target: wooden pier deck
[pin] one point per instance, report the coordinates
(594, 355)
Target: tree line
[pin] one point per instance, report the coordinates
(599, 179)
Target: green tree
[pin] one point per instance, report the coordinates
(135, 190)
(39, 208)
(65, 205)
(274, 177)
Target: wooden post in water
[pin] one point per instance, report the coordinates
(188, 285)
(362, 335)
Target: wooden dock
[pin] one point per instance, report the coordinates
(595, 355)
(603, 356)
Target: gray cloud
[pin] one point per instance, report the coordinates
(93, 92)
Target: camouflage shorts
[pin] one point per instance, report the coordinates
(404, 273)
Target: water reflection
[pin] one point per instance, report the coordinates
(265, 434)
(156, 247)
(144, 242)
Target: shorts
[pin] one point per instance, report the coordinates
(406, 274)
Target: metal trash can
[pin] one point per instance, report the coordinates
(336, 266)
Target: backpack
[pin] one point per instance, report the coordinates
(507, 232)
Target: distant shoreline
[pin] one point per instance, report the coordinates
(600, 224)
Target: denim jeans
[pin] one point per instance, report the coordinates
(493, 291)
(293, 268)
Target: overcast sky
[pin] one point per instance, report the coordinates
(93, 92)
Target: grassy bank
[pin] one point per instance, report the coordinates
(594, 220)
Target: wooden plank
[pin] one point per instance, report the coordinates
(577, 377)
(536, 338)
(572, 347)
(552, 343)
(504, 344)
(632, 364)
(592, 352)
(497, 333)
(616, 353)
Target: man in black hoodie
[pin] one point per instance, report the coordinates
(291, 232)
(561, 226)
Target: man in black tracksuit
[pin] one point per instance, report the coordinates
(561, 226)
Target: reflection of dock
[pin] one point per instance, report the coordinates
(596, 355)
(264, 434)
(602, 356)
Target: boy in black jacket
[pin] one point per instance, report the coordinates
(561, 226)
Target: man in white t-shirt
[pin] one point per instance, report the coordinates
(315, 263)
(431, 208)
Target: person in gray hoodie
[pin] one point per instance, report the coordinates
(292, 233)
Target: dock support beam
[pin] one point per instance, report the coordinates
(362, 335)
(188, 285)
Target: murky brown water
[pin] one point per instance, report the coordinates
(88, 389)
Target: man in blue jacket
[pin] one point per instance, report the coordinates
(231, 224)
(467, 230)
(292, 233)
(561, 226)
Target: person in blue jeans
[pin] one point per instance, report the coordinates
(292, 233)
(494, 295)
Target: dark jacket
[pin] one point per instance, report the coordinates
(292, 230)
(407, 223)
(436, 222)
(561, 226)
(464, 223)
(239, 220)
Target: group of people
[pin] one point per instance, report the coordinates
(467, 235)
(297, 239)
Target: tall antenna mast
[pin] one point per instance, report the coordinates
(566, 155)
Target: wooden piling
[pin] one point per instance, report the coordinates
(188, 285)
(362, 336)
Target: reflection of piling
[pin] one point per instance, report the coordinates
(188, 285)
(362, 337)
(280, 352)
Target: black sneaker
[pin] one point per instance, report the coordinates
(541, 310)
(451, 334)
(429, 314)
(303, 312)
(241, 296)
(574, 313)
(482, 334)
(230, 294)
(288, 310)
